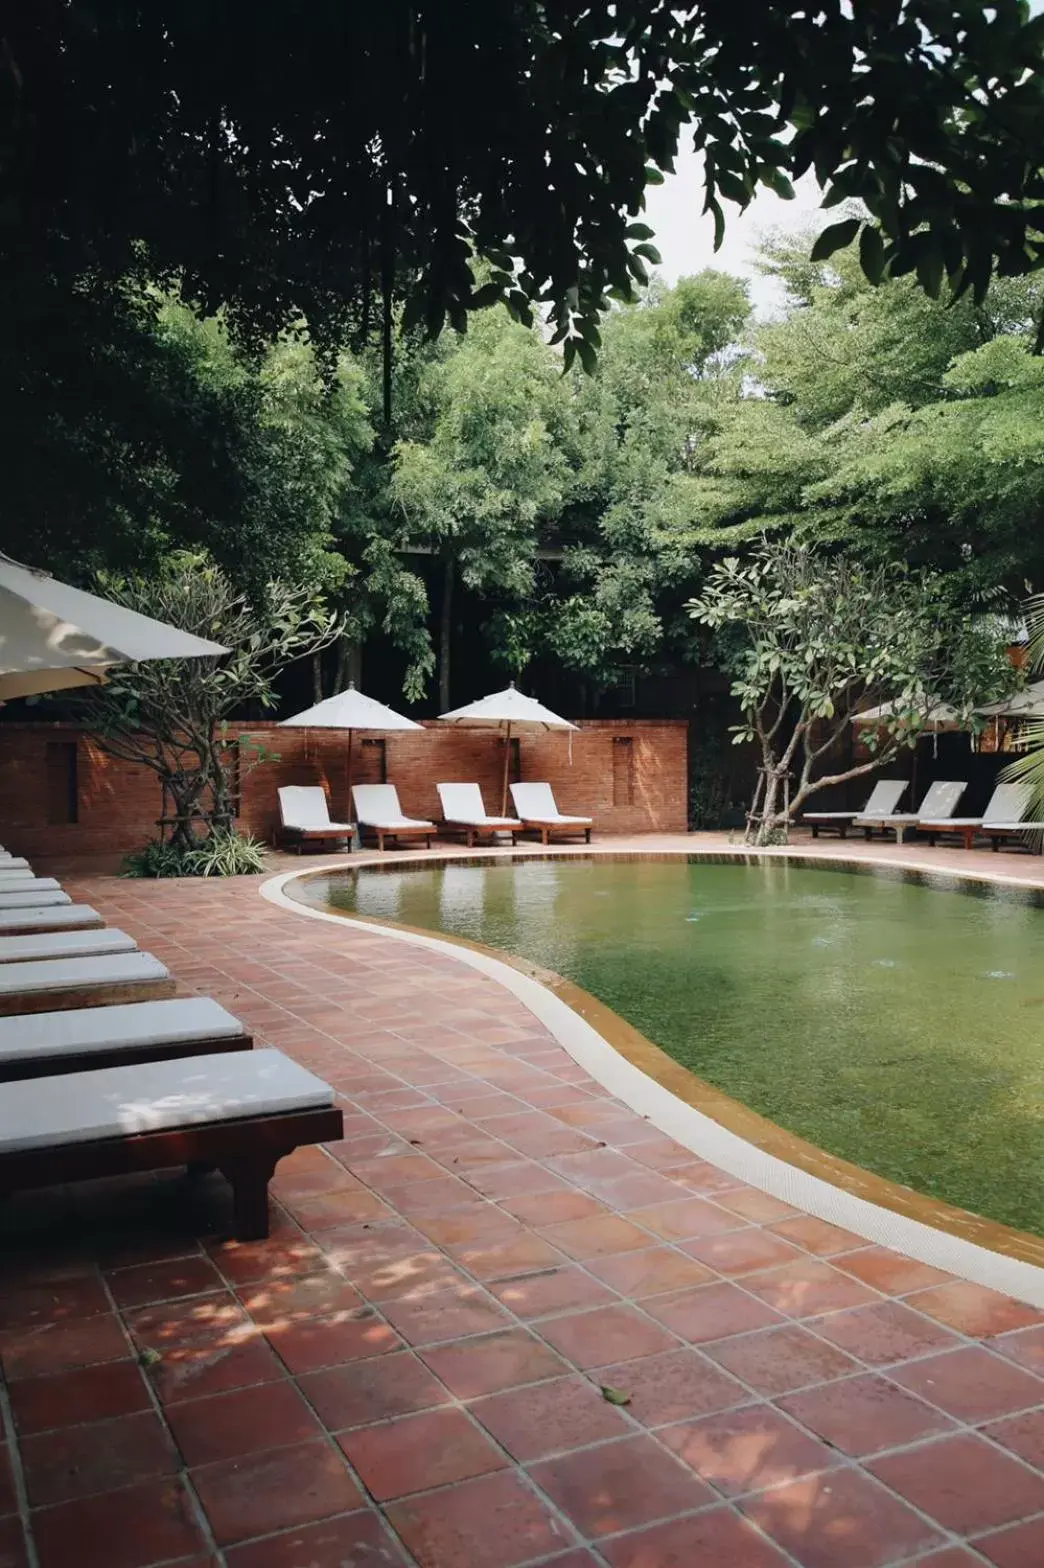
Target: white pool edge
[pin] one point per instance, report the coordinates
(706, 1138)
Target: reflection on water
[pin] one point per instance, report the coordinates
(864, 1012)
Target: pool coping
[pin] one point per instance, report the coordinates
(712, 1125)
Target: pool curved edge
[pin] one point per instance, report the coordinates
(716, 1127)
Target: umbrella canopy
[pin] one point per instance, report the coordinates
(53, 636)
(934, 714)
(1025, 704)
(506, 710)
(350, 710)
(35, 682)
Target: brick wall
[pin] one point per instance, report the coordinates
(631, 777)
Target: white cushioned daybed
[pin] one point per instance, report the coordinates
(82, 1039)
(82, 982)
(239, 1112)
(56, 917)
(63, 944)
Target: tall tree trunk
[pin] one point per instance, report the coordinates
(763, 825)
(349, 664)
(445, 632)
(317, 676)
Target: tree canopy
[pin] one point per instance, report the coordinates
(285, 160)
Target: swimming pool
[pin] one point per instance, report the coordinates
(894, 1023)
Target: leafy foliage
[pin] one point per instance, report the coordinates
(351, 150)
(225, 853)
(817, 638)
(882, 420)
(167, 714)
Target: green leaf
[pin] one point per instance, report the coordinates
(835, 237)
(615, 1396)
(871, 252)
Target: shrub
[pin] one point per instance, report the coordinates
(225, 853)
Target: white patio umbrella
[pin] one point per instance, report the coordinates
(350, 710)
(53, 636)
(506, 711)
(1025, 704)
(935, 714)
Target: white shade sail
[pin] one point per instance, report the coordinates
(351, 710)
(507, 709)
(53, 635)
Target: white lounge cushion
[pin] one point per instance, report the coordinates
(62, 974)
(536, 803)
(63, 944)
(25, 882)
(124, 1027)
(11, 863)
(884, 797)
(1008, 805)
(463, 803)
(939, 803)
(27, 898)
(303, 809)
(377, 806)
(153, 1097)
(69, 917)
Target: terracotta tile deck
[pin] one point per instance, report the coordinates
(410, 1371)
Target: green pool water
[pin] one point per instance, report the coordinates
(897, 1024)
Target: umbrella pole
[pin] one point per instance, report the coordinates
(351, 733)
(507, 764)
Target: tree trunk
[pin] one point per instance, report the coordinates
(764, 825)
(349, 664)
(317, 676)
(445, 633)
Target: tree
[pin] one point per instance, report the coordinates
(352, 151)
(133, 427)
(816, 638)
(167, 714)
(493, 472)
(893, 424)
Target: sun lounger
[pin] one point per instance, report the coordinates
(1004, 815)
(536, 807)
(25, 882)
(32, 898)
(40, 946)
(59, 917)
(463, 809)
(11, 863)
(939, 804)
(82, 982)
(884, 797)
(377, 808)
(86, 1038)
(240, 1112)
(305, 817)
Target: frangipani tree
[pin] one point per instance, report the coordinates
(812, 639)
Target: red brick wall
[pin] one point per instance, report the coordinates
(637, 788)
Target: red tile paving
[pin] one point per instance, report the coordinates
(408, 1373)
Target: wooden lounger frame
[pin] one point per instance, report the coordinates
(62, 998)
(426, 833)
(245, 1151)
(299, 838)
(969, 834)
(471, 830)
(840, 828)
(545, 829)
(51, 1064)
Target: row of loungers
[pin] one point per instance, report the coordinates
(305, 815)
(1004, 817)
(105, 1072)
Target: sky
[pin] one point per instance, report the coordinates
(685, 237)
